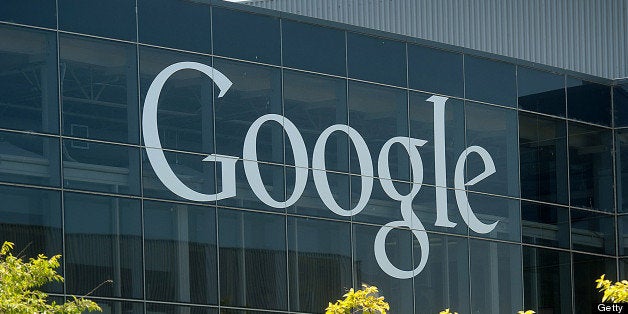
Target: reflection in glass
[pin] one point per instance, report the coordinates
(590, 166)
(425, 207)
(101, 167)
(99, 81)
(180, 253)
(310, 202)
(495, 130)
(106, 18)
(490, 81)
(592, 232)
(621, 168)
(314, 48)
(117, 307)
(435, 70)
(588, 101)
(501, 262)
(376, 59)
(29, 159)
(543, 158)
(540, 91)
(545, 224)
(622, 232)
(588, 268)
(489, 209)
(380, 208)
(620, 104)
(28, 84)
(103, 242)
(272, 181)
(546, 280)
(319, 255)
(156, 308)
(31, 12)
(253, 257)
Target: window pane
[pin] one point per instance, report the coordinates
(620, 105)
(99, 89)
(272, 181)
(588, 101)
(501, 262)
(590, 167)
(154, 308)
(252, 260)
(106, 18)
(117, 307)
(314, 103)
(180, 251)
(32, 12)
(380, 208)
(233, 36)
(490, 81)
(158, 25)
(621, 164)
(398, 293)
(547, 280)
(622, 232)
(376, 59)
(310, 202)
(185, 112)
(313, 48)
(103, 242)
(588, 268)
(256, 91)
(101, 167)
(29, 91)
(490, 209)
(540, 91)
(543, 158)
(495, 130)
(425, 207)
(319, 254)
(592, 232)
(29, 159)
(434, 70)
(544, 224)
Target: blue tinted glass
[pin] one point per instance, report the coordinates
(185, 111)
(29, 159)
(376, 59)
(588, 101)
(622, 231)
(588, 268)
(188, 29)
(495, 130)
(103, 241)
(590, 166)
(425, 207)
(158, 308)
(490, 209)
(253, 268)
(106, 18)
(180, 246)
(32, 12)
(101, 167)
(117, 307)
(319, 262)
(592, 232)
(544, 224)
(376, 207)
(99, 89)
(434, 70)
(234, 36)
(271, 186)
(502, 263)
(313, 48)
(543, 158)
(620, 105)
(29, 91)
(621, 156)
(256, 91)
(310, 202)
(540, 91)
(490, 81)
(546, 280)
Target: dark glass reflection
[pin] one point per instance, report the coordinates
(188, 29)
(272, 186)
(621, 168)
(489, 209)
(622, 233)
(319, 255)
(540, 91)
(588, 268)
(435, 70)
(314, 48)
(379, 208)
(425, 207)
(180, 252)
(592, 232)
(490, 81)
(106, 18)
(233, 36)
(310, 202)
(543, 158)
(101, 167)
(31, 12)
(588, 101)
(253, 257)
(545, 224)
(620, 105)
(546, 280)
(28, 86)
(376, 59)
(103, 242)
(29, 159)
(99, 81)
(117, 307)
(176, 309)
(495, 130)
(501, 262)
(590, 167)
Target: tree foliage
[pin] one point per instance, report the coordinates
(20, 281)
(614, 292)
(361, 301)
